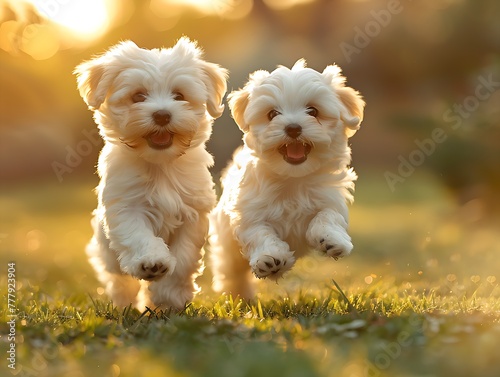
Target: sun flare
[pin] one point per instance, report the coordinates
(86, 19)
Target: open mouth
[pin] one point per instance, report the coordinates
(295, 152)
(160, 140)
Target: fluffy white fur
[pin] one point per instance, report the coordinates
(155, 110)
(287, 189)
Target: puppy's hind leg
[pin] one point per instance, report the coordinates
(122, 289)
(231, 272)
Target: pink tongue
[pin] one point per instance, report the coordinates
(161, 139)
(295, 150)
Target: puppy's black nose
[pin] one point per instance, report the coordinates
(161, 117)
(293, 130)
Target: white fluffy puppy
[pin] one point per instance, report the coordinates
(155, 110)
(286, 189)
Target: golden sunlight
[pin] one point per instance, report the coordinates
(86, 19)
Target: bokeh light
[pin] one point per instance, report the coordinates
(41, 28)
(170, 11)
(285, 4)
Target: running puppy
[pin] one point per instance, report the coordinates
(154, 109)
(287, 189)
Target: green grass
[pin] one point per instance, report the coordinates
(419, 297)
(389, 330)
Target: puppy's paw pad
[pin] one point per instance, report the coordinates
(151, 262)
(335, 249)
(154, 268)
(272, 267)
(152, 272)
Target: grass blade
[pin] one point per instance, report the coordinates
(350, 306)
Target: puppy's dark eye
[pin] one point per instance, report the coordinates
(178, 96)
(139, 97)
(312, 111)
(273, 113)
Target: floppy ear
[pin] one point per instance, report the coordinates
(215, 81)
(90, 84)
(353, 104)
(238, 99)
(94, 77)
(215, 76)
(238, 102)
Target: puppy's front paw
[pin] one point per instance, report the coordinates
(151, 263)
(152, 270)
(335, 244)
(273, 263)
(327, 233)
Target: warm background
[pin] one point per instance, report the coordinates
(421, 59)
(425, 68)
(427, 207)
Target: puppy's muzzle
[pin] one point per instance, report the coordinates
(294, 152)
(161, 139)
